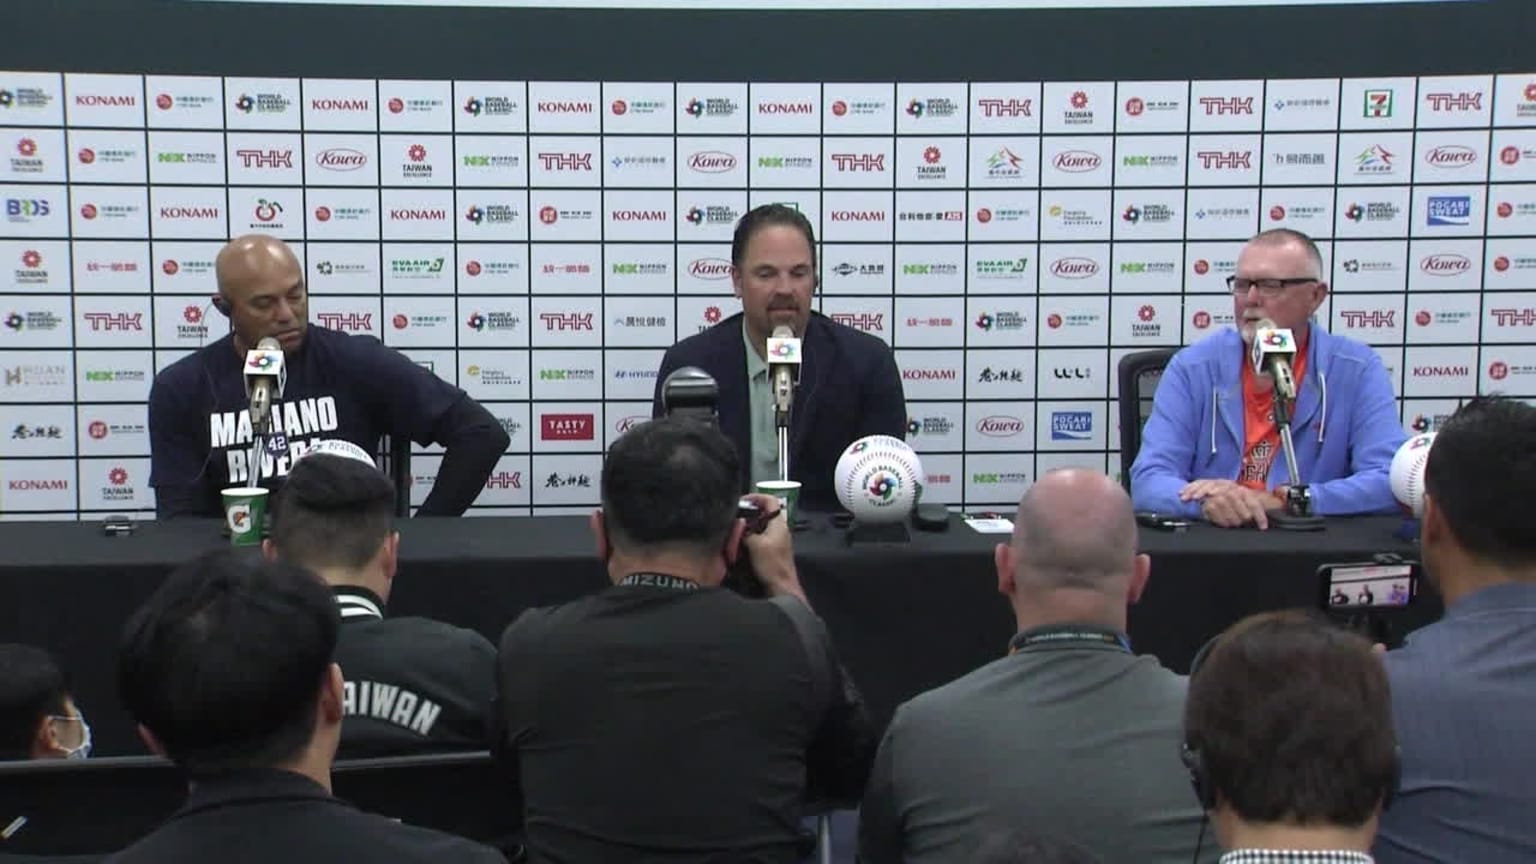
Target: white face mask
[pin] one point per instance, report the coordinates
(83, 749)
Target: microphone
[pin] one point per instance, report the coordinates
(1273, 349)
(690, 392)
(265, 376)
(783, 368)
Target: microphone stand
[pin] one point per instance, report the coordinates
(1297, 514)
(781, 421)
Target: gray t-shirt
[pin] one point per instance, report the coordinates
(1076, 740)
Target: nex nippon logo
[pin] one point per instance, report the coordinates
(566, 320)
(859, 161)
(1005, 107)
(1224, 105)
(566, 161)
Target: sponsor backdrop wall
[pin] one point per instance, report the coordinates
(534, 204)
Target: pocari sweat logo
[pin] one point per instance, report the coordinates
(1071, 425)
(1450, 210)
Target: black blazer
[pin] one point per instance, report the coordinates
(265, 816)
(849, 388)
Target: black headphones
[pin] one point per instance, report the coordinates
(1200, 777)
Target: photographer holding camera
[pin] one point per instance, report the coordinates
(666, 719)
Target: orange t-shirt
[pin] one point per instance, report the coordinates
(1261, 437)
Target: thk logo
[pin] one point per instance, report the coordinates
(1514, 317)
(859, 161)
(1005, 107)
(566, 161)
(505, 480)
(349, 321)
(1225, 159)
(114, 320)
(866, 321)
(566, 320)
(1461, 101)
(1225, 105)
(265, 158)
(1374, 318)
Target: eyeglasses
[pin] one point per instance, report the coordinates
(1267, 287)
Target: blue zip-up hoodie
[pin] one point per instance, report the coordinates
(1345, 426)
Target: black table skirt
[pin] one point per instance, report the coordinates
(905, 617)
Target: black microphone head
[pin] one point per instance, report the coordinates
(690, 392)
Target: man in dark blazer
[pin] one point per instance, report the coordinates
(848, 388)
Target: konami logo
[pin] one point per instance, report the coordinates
(801, 108)
(928, 374)
(93, 100)
(857, 215)
(189, 213)
(341, 105)
(561, 107)
(405, 214)
(639, 215)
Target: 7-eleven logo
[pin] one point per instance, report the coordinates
(1378, 103)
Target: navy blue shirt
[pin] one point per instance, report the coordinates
(1464, 704)
(339, 386)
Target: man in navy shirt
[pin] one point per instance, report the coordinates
(339, 386)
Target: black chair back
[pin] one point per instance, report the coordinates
(98, 806)
(396, 456)
(1138, 375)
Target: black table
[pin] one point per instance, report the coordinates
(905, 618)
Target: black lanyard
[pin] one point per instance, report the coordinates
(659, 580)
(1069, 636)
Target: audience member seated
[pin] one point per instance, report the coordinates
(1288, 741)
(1464, 688)
(228, 670)
(38, 718)
(666, 719)
(1071, 734)
(411, 684)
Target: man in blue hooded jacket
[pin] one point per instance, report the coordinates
(1211, 448)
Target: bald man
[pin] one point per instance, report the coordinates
(339, 386)
(1069, 735)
